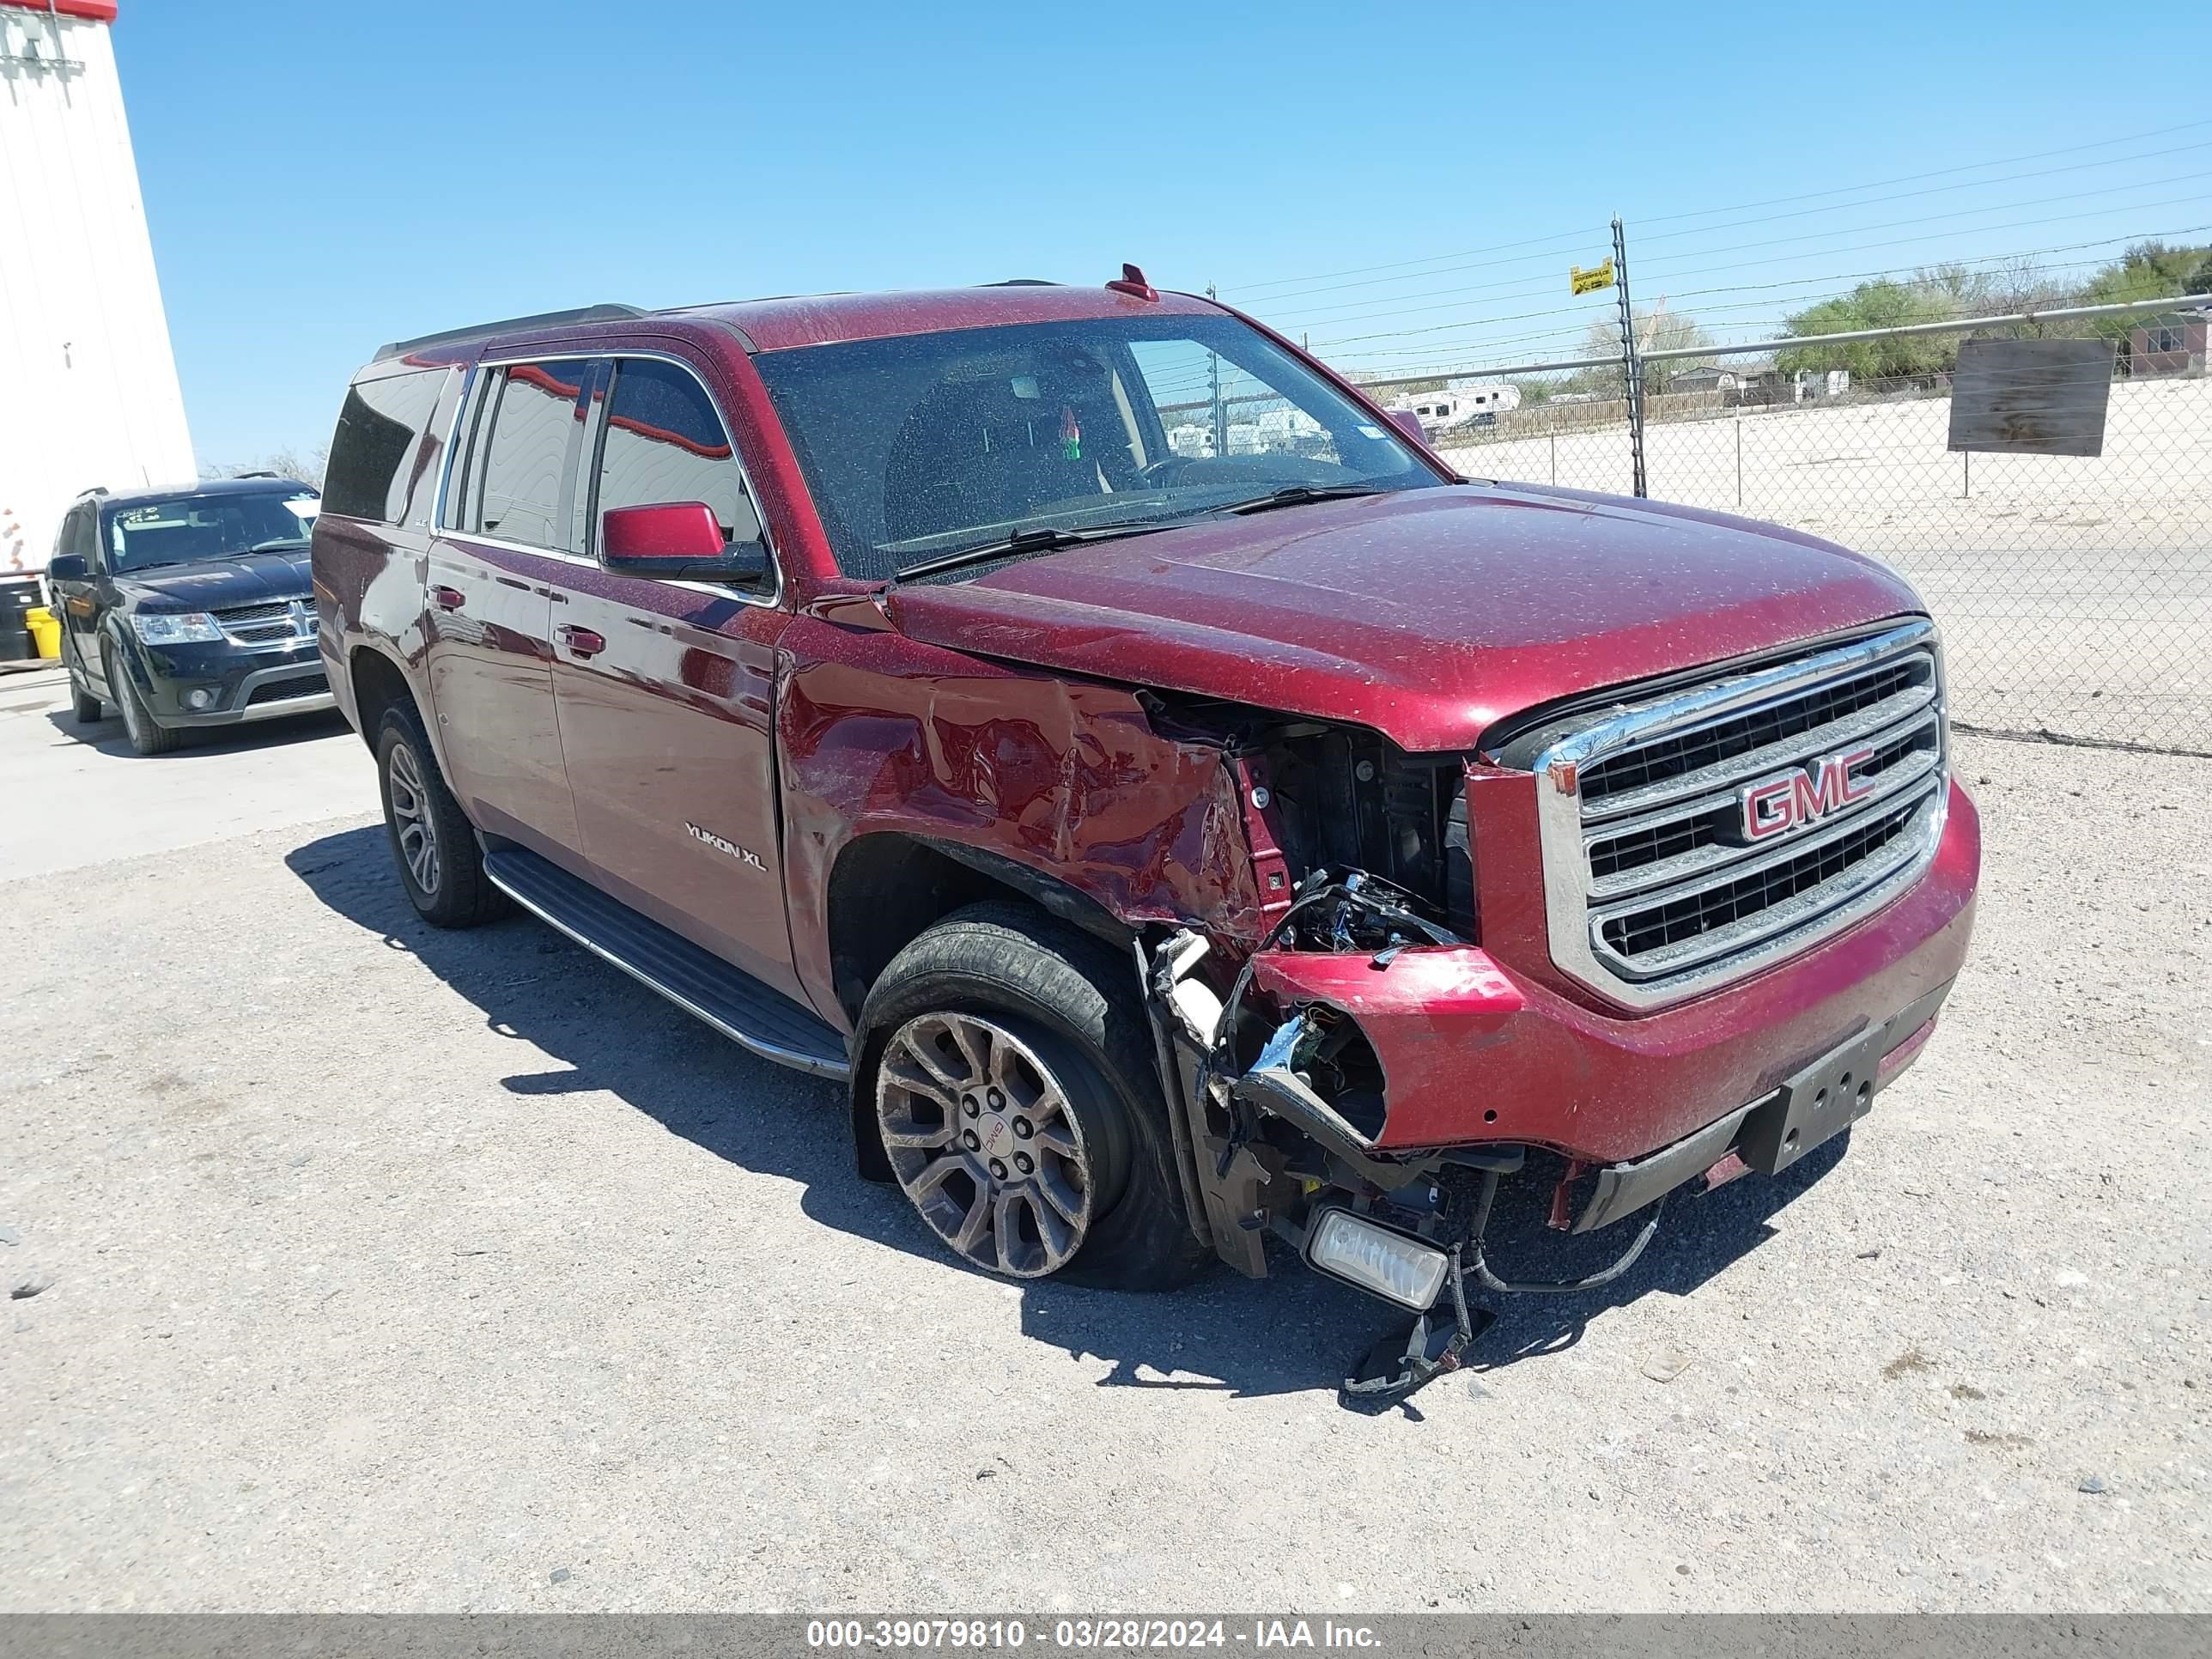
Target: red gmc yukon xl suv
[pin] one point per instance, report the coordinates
(1179, 806)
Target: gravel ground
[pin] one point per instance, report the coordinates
(388, 1269)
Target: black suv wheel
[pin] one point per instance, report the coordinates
(146, 735)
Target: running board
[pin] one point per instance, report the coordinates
(733, 1002)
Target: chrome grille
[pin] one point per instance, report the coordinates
(1697, 837)
(279, 621)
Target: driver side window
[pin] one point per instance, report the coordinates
(664, 442)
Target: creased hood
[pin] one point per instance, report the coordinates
(216, 584)
(1428, 615)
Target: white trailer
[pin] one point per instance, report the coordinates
(1459, 406)
(88, 393)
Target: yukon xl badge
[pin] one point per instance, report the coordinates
(742, 854)
(1804, 794)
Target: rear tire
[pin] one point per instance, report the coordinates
(1036, 1015)
(146, 735)
(432, 843)
(88, 709)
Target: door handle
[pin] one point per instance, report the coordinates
(449, 598)
(581, 642)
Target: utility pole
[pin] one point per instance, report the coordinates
(1213, 376)
(1631, 357)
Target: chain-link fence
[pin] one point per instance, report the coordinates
(2074, 590)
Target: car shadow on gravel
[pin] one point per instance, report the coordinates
(1297, 1331)
(106, 736)
(1293, 1333)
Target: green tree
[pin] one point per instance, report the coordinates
(2147, 270)
(2151, 271)
(1884, 303)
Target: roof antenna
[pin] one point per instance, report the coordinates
(1133, 282)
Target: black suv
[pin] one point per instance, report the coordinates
(190, 607)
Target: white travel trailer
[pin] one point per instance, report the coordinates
(1459, 406)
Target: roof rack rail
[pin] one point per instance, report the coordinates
(599, 313)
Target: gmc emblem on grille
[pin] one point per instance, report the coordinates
(1776, 805)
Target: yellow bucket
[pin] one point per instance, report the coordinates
(45, 630)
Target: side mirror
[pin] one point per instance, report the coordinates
(68, 568)
(676, 539)
(1409, 423)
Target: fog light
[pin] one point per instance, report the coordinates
(202, 698)
(1379, 1259)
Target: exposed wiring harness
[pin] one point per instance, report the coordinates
(1466, 1223)
(1491, 1281)
(1353, 893)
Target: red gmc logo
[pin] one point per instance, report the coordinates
(1778, 805)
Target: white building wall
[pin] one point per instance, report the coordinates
(88, 393)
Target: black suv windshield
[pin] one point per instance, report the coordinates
(920, 447)
(221, 525)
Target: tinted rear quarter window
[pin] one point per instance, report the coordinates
(379, 430)
(78, 535)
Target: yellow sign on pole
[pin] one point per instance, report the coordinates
(1590, 281)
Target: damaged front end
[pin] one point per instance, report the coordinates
(1276, 1055)
(1279, 1099)
(1362, 1072)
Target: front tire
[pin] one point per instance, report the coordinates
(147, 735)
(1001, 1038)
(434, 846)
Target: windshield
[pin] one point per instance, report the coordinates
(187, 528)
(920, 447)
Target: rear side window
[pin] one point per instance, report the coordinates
(666, 442)
(77, 537)
(373, 451)
(523, 465)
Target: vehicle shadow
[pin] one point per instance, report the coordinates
(1298, 1330)
(107, 737)
(1292, 1332)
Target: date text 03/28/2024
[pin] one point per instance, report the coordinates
(1087, 1634)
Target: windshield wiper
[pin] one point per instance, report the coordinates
(1299, 495)
(1040, 539)
(282, 541)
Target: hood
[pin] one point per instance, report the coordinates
(218, 583)
(1428, 615)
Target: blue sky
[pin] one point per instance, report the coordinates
(322, 177)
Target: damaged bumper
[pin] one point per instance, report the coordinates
(1474, 1051)
(1479, 1062)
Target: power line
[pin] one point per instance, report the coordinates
(2019, 224)
(1364, 311)
(1827, 285)
(1401, 264)
(1957, 213)
(1699, 213)
(1939, 172)
(1357, 310)
(1932, 190)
